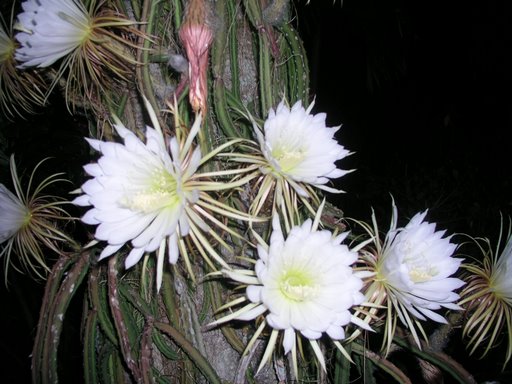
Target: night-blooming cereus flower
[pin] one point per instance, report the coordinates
(298, 153)
(90, 43)
(28, 221)
(303, 285)
(487, 297)
(20, 91)
(51, 29)
(412, 270)
(150, 195)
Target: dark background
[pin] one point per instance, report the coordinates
(422, 89)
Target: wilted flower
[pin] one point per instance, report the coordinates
(298, 152)
(411, 273)
(487, 297)
(6, 44)
(19, 91)
(28, 221)
(302, 284)
(196, 34)
(142, 194)
(51, 29)
(64, 29)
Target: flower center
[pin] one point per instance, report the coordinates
(81, 22)
(422, 274)
(288, 158)
(297, 286)
(420, 270)
(7, 48)
(163, 192)
(27, 218)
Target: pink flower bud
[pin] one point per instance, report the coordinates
(197, 36)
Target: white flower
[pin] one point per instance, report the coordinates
(94, 45)
(416, 264)
(296, 154)
(50, 30)
(409, 274)
(304, 283)
(28, 220)
(19, 90)
(139, 193)
(14, 214)
(300, 147)
(149, 195)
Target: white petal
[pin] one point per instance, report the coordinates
(173, 251)
(89, 217)
(82, 201)
(93, 170)
(288, 340)
(133, 257)
(432, 315)
(254, 293)
(252, 313)
(156, 230)
(311, 335)
(13, 215)
(277, 322)
(109, 250)
(335, 332)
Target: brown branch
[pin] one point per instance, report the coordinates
(120, 324)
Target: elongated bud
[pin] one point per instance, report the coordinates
(196, 35)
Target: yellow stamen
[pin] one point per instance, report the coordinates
(297, 286)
